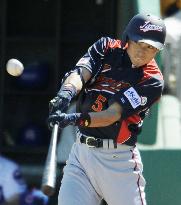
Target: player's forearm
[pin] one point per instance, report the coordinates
(92, 119)
(69, 89)
(103, 118)
(106, 117)
(74, 79)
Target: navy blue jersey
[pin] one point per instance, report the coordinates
(114, 79)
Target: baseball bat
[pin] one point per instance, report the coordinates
(49, 173)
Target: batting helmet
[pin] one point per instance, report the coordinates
(146, 28)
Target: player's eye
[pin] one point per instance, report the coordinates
(151, 47)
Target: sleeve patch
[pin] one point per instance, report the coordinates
(133, 97)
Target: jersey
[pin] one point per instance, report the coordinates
(114, 79)
(11, 181)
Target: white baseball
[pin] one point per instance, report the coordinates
(14, 67)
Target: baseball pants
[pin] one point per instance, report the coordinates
(92, 174)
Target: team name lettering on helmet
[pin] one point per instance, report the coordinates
(150, 27)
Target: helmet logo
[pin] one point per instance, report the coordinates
(150, 27)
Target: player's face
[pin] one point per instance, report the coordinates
(140, 53)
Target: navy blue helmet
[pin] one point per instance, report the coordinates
(146, 28)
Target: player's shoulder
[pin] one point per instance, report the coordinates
(110, 42)
(152, 77)
(151, 70)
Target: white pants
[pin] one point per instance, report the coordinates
(95, 173)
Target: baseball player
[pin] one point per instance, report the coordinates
(116, 81)
(12, 184)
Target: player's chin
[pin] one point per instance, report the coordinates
(139, 63)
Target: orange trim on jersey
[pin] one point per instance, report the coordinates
(124, 133)
(114, 44)
(150, 70)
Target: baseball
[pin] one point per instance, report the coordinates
(14, 67)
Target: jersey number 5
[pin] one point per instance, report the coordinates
(98, 103)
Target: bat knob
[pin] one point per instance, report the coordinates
(48, 190)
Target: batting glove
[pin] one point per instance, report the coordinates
(135, 129)
(64, 119)
(62, 100)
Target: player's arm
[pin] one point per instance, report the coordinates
(92, 119)
(106, 117)
(76, 80)
(70, 87)
(86, 68)
(125, 103)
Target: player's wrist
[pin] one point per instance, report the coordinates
(63, 98)
(63, 119)
(83, 119)
(67, 91)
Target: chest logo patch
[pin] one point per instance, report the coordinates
(133, 97)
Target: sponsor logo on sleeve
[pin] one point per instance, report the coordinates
(133, 97)
(143, 100)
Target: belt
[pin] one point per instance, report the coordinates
(93, 142)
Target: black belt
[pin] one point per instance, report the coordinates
(91, 141)
(97, 142)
